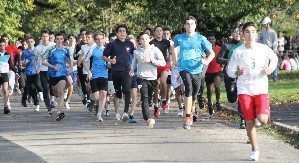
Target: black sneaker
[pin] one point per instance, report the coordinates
(150, 103)
(90, 106)
(242, 124)
(107, 112)
(195, 117)
(210, 107)
(84, 101)
(23, 103)
(60, 116)
(29, 99)
(201, 103)
(6, 110)
(218, 106)
(132, 120)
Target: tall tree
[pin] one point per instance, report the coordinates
(12, 12)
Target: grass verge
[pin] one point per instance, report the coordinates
(277, 133)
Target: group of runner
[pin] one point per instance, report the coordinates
(150, 64)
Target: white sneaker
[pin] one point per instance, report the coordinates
(257, 123)
(67, 106)
(41, 96)
(117, 116)
(36, 108)
(150, 123)
(254, 155)
(99, 117)
(19, 92)
(8, 104)
(125, 117)
(181, 112)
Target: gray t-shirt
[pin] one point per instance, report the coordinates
(269, 37)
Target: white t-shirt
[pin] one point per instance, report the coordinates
(86, 50)
(254, 81)
(72, 50)
(40, 49)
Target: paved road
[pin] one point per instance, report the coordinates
(287, 114)
(29, 136)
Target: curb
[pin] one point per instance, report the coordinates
(286, 130)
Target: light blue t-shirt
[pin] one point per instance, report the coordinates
(98, 65)
(192, 50)
(57, 57)
(29, 56)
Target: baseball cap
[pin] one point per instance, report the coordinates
(266, 20)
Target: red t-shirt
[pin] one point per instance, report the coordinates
(14, 52)
(214, 66)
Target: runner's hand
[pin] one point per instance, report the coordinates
(131, 73)
(240, 71)
(56, 67)
(267, 70)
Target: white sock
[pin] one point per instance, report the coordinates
(53, 98)
(157, 104)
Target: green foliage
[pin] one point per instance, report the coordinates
(70, 15)
(12, 12)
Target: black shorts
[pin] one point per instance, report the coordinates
(54, 80)
(134, 83)
(3, 78)
(99, 84)
(209, 77)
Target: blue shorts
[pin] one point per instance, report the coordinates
(134, 82)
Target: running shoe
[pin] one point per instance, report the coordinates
(150, 123)
(156, 111)
(125, 117)
(132, 120)
(99, 117)
(254, 155)
(6, 110)
(60, 116)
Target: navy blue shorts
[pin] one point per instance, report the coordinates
(134, 83)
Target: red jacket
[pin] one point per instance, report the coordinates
(214, 67)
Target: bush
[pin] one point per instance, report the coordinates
(288, 75)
